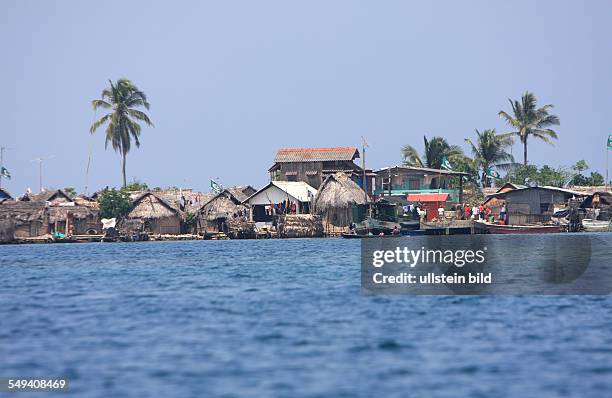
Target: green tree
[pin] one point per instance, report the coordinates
(70, 191)
(435, 150)
(489, 151)
(596, 179)
(580, 179)
(114, 203)
(123, 97)
(136, 185)
(527, 120)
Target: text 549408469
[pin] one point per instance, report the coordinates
(13, 384)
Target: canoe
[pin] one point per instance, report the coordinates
(517, 229)
(591, 225)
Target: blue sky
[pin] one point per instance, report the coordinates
(230, 82)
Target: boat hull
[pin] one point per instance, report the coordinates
(596, 225)
(518, 229)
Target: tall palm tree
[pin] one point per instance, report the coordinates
(529, 120)
(490, 150)
(123, 97)
(436, 150)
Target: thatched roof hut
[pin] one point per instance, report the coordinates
(226, 213)
(336, 198)
(159, 216)
(338, 191)
(150, 206)
(56, 195)
(28, 218)
(22, 212)
(227, 204)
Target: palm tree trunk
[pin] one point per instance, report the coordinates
(525, 152)
(123, 169)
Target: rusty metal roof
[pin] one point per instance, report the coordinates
(285, 155)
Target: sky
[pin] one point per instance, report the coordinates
(230, 82)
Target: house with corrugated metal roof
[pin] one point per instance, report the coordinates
(313, 165)
(424, 184)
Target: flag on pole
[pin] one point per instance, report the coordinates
(446, 164)
(492, 173)
(215, 187)
(5, 173)
(610, 141)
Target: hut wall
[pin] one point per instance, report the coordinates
(533, 205)
(30, 229)
(84, 226)
(7, 231)
(166, 225)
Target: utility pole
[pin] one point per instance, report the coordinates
(40, 161)
(2, 163)
(363, 166)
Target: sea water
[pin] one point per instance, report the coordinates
(280, 318)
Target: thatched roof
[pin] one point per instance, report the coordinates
(59, 213)
(172, 196)
(226, 204)
(22, 212)
(339, 191)
(241, 193)
(149, 205)
(47, 196)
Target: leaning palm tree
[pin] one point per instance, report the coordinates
(529, 120)
(490, 150)
(122, 97)
(435, 151)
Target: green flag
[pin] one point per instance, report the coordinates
(5, 173)
(446, 164)
(215, 187)
(610, 141)
(492, 173)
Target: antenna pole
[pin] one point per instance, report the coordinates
(2, 164)
(363, 166)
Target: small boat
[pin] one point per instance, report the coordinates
(517, 229)
(352, 235)
(591, 225)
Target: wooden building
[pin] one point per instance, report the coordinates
(157, 215)
(531, 205)
(313, 165)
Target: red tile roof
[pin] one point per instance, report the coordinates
(285, 155)
(427, 197)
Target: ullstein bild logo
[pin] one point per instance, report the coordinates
(486, 264)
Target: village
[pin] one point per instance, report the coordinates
(313, 192)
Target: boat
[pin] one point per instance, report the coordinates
(353, 235)
(517, 229)
(591, 225)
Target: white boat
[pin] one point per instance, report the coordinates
(591, 225)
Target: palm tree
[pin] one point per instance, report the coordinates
(490, 150)
(436, 150)
(122, 97)
(529, 120)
